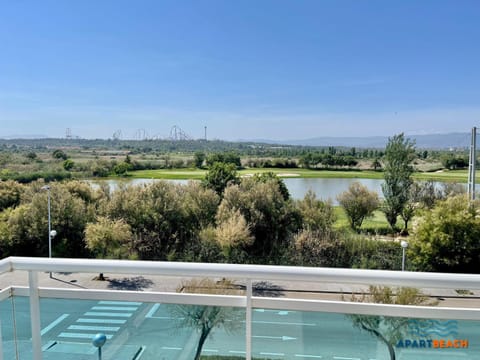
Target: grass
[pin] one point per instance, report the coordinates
(168, 174)
(196, 174)
(377, 224)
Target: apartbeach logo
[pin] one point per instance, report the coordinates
(432, 334)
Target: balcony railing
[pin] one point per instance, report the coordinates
(304, 325)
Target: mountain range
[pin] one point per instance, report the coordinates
(427, 141)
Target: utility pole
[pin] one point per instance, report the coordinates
(472, 165)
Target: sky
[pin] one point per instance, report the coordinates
(248, 69)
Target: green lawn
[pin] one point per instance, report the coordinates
(377, 224)
(445, 176)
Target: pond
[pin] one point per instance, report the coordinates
(298, 187)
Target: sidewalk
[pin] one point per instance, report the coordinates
(284, 289)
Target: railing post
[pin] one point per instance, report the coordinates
(35, 315)
(1, 342)
(248, 321)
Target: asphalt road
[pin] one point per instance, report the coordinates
(149, 332)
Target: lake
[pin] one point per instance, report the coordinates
(298, 187)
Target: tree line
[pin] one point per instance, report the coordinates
(243, 220)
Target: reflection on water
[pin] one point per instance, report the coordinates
(328, 188)
(324, 188)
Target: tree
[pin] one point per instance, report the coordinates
(28, 225)
(446, 237)
(68, 164)
(358, 203)
(319, 248)
(228, 157)
(31, 155)
(109, 239)
(59, 154)
(219, 175)
(10, 192)
(421, 195)
(376, 164)
(202, 318)
(269, 176)
(316, 215)
(198, 159)
(233, 232)
(388, 330)
(399, 155)
(121, 169)
(271, 218)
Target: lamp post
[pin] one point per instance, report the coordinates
(98, 341)
(404, 246)
(51, 233)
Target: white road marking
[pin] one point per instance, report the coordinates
(309, 356)
(152, 311)
(345, 358)
(115, 308)
(283, 338)
(236, 352)
(94, 328)
(102, 321)
(91, 313)
(53, 324)
(283, 323)
(279, 312)
(171, 348)
(81, 335)
(272, 354)
(120, 303)
(210, 350)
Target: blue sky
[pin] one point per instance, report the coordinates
(245, 69)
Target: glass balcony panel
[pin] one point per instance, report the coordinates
(139, 331)
(16, 328)
(282, 334)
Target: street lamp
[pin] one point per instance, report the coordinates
(404, 246)
(51, 233)
(98, 341)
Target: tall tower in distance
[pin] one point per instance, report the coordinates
(205, 133)
(68, 133)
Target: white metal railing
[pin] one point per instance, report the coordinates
(246, 273)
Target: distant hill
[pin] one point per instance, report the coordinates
(431, 141)
(25, 136)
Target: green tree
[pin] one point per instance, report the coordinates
(271, 176)
(59, 154)
(228, 157)
(28, 222)
(109, 239)
(446, 237)
(31, 155)
(68, 164)
(219, 175)
(10, 192)
(316, 215)
(271, 218)
(359, 203)
(198, 159)
(398, 170)
(204, 319)
(121, 169)
(388, 330)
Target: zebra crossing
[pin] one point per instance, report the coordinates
(107, 317)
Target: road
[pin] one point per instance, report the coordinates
(148, 331)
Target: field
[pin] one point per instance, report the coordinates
(443, 176)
